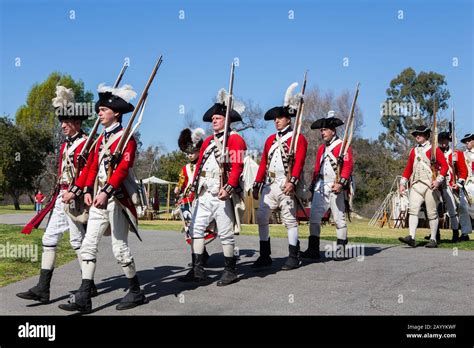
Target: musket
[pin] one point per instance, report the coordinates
(452, 131)
(348, 134)
(296, 134)
(90, 139)
(434, 145)
(126, 135)
(229, 105)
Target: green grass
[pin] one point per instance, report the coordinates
(359, 232)
(13, 269)
(10, 209)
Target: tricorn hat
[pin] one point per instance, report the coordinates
(117, 99)
(66, 107)
(220, 108)
(468, 137)
(423, 130)
(330, 121)
(190, 141)
(444, 136)
(290, 105)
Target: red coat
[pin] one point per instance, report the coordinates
(90, 171)
(236, 147)
(300, 156)
(441, 163)
(184, 184)
(39, 198)
(347, 166)
(461, 167)
(77, 151)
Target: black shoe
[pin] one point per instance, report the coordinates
(264, 260)
(428, 237)
(313, 249)
(340, 253)
(229, 275)
(408, 240)
(293, 261)
(197, 273)
(464, 238)
(94, 291)
(135, 296)
(40, 292)
(431, 244)
(455, 238)
(81, 300)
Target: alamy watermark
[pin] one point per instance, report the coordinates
(350, 251)
(19, 251)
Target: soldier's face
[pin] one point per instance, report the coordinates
(192, 156)
(444, 144)
(107, 116)
(327, 134)
(470, 144)
(281, 122)
(218, 123)
(70, 127)
(420, 138)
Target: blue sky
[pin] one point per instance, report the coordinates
(273, 51)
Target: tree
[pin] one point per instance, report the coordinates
(410, 102)
(23, 153)
(38, 112)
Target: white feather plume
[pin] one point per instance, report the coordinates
(197, 135)
(331, 113)
(221, 96)
(238, 106)
(292, 100)
(125, 92)
(222, 99)
(64, 96)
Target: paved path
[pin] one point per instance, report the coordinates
(389, 280)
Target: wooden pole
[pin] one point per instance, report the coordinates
(168, 202)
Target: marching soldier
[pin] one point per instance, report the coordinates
(112, 209)
(214, 201)
(329, 193)
(466, 208)
(276, 186)
(423, 187)
(190, 143)
(71, 119)
(459, 167)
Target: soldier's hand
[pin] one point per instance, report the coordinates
(223, 195)
(289, 189)
(101, 200)
(68, 196)
(435, 184)
(255, 193)
(88, 199)
(402, 189)
(337, 188)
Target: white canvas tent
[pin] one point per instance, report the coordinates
(153, 180)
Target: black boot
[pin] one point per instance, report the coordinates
(313, 249)
(340, 254)
(197, 273)
(205, 257)
(464, 238)
(135, 296)
(293, 261)
(229, 275)
(94, 291)
(438, 236)
(81, 300)
(264, 260)
(40, 292)
(408, 240)
(455, 238)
